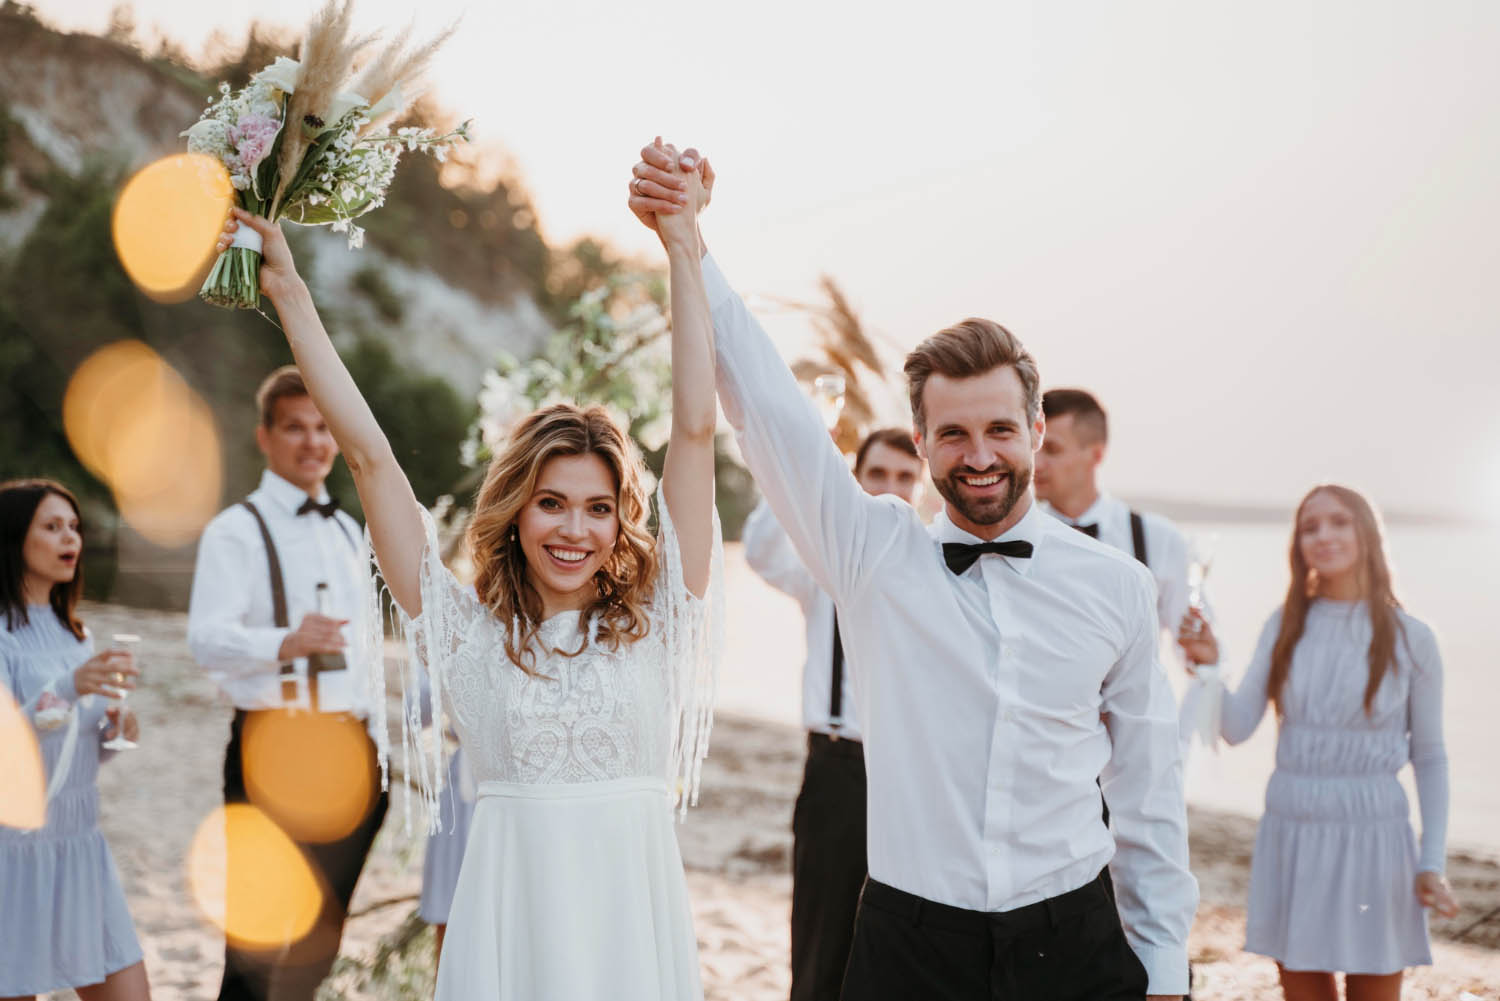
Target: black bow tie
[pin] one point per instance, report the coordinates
(1092, 531)
(326, 510)
(962, 555)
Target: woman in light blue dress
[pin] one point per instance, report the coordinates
(63, 919)
(1337, 881)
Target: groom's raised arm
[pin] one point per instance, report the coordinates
(839, 531)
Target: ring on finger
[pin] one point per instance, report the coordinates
(119, 678)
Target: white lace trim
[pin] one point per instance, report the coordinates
(694, 641)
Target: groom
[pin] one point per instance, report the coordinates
(1005, 660)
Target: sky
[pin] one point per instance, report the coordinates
(1264, 235)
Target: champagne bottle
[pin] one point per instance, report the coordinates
(317, 663)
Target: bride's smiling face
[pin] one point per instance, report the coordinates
(568, 529)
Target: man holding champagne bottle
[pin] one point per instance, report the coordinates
(298, 748)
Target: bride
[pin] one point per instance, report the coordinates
(578, 670)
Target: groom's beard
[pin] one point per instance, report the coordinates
(986, 510)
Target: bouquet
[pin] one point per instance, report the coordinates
(308, 141)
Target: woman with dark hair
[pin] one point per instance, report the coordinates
(63, 920)
(1337, 883)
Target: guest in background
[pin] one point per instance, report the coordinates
(828, 823)
(288, 554)
(63, 919)
(1067, 484)
(1337, 882)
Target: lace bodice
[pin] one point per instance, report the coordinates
(640, 710)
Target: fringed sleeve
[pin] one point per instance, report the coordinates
(431, 639)
(693, 638)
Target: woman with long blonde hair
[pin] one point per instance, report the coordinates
(1337, 882)
(578, 669)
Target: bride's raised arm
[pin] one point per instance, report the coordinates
(391, 509)
(688, 479)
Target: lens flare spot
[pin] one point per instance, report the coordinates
(166, 221)
(250, 880)
(311, 772)
(135, 423)
(24, 804)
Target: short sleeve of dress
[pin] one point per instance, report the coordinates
(692, 635)
(432, 639)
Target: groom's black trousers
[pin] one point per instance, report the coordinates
(1068, 948)
(828, 865)
(294, 971)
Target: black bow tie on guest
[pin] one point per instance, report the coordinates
(962, 555)
(1092, 531)
(326, 510)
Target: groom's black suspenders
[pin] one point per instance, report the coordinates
(1138, 537)
(1138, 542)
(836, 694)
(278, 600)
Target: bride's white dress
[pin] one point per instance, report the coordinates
(572, 883)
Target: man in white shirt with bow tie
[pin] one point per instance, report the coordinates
(298, 747)
(1005, 662)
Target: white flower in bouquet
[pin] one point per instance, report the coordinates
(211, 137)
(282, 75)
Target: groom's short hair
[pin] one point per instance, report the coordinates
(282, 384)
(967, 349)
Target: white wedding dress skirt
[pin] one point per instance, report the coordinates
(571, 892)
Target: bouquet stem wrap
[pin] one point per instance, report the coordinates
(234, 282)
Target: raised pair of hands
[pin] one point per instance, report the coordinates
(667, 191)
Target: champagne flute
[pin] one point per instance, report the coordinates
(1201, 550)
(119, 742)
(828, 394)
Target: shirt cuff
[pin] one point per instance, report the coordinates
(265, 642)
(1166, 968)
(715, 284)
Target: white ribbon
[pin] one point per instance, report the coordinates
(1206, 723)
(247, 238)
(65, 759)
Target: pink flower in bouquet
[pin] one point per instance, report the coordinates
(252, 137)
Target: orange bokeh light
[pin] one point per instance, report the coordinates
(310, 772)
(24, 804)
(134, 422)
(166, 221)
(251, 880)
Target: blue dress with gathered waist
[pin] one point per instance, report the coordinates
(63, 918)
(1332, 880)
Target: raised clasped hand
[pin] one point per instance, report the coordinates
(666, 185)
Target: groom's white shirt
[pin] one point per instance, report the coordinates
(991, 700)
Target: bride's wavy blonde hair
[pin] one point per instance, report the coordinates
(626, 579)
